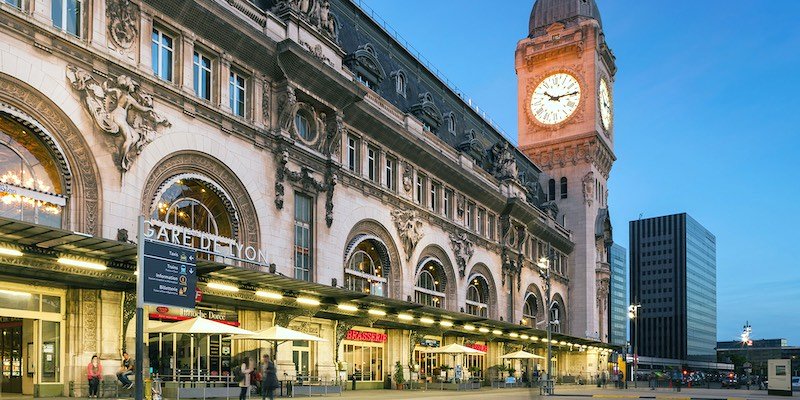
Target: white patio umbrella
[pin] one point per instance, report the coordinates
(199, 326)
(521, 355)
(278, 335)
(455, 349)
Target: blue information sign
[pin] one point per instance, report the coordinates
(170, 275)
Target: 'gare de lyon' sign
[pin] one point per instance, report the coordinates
(203, 241)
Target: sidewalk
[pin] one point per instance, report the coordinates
(666, 393)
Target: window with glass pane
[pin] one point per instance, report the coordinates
(430, 285)
(471, 216)
(420, 189)
(51, 351)
(237, 94)
(372, 163)
(202, 76)
(530, 310)
(194, 204)
(15, 3)
(477, 293)
(162, 51)
(303, 208)
(366, 271)
(30, 182)
(352, 153)
(563, 187)
(491, 229)
(364, 361)
(481, 221)
(389, 173)
(448, 203)
(303, 127)
(66, 15)
(434, 202)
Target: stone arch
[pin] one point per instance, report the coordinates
(437, 253)
(534, 290)
(35, 110)
(371, 228)
(480, 269)
(193, 162)
(557, 300)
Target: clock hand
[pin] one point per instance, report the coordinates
(552, 98)
(565, 95)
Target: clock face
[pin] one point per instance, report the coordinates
(556, 98)
(604, 96)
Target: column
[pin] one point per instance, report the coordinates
(186, 53)
(145, 50)
(224, 79)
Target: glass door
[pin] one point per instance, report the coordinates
(301, 355)
(11, 354)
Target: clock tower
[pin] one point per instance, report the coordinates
(565, 74)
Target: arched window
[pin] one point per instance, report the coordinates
(367, 268)
(195, 204)
(431, 281)
(563, 187)
(551, 190)
(555, 317)
(400, 83)
(303, 127)
(30, 183)
(451, 123)
(530, 310)
(477, 295)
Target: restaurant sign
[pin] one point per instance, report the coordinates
(480, 347)
(362, 336)
(181, 314)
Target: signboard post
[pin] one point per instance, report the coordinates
(166, 275)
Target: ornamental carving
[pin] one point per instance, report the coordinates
(336, 130)
(316, 51)
(463, 249)
(534, 192)
(408, 178)
(123, 20)
(89, 319)
(503, 164)
(365, 61)
(472, 146)
(119, 108)
(287, 107)
(128, 312)
(588, 188)
(409, 227)
(305, 180)
(316, 12)
(425, 109)
(266, 95)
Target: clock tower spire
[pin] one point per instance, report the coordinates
(565, 75)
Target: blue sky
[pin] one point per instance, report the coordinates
(707, 122)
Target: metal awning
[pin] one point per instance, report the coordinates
(42, 245)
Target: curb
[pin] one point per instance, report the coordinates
(633, 396)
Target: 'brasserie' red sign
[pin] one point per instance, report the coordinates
(362, 336)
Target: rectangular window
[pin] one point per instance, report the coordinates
(491, 230)
(66, 15)
(352, 153)
(470, 216)
(434, 202)
(372, 163)
(202, 76)
(303, 209)
(389, 172)
(237, 93)
(51, 351)
(15, 3)
(481, 222)
(448, 203)
(162, 52)
(420, 189)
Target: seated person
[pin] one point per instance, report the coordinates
(125, 370)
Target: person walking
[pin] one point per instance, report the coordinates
(94, 372)
(269, 379)
(244, 378)
(125, 370)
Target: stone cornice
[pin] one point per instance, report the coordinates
(586, 148)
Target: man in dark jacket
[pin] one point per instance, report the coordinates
(269, 378)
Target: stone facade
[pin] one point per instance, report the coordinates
(465, 198)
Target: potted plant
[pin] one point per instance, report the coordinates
(501, 368)
(445, 368)
(399, 377)
(511, 371)
(474, 371)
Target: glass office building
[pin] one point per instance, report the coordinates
(673, 278)
(618, 311)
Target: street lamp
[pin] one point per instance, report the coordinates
(633, 314)
(544, 272)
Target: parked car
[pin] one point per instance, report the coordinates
(796, 383)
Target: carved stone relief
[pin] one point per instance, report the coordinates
(266, 96)
(119, 108)
(463, 249)
(123, 20)
(503, 164)
(409, 227)
(305, 180)
(315, 12)
(588, 188)
(408, 178)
